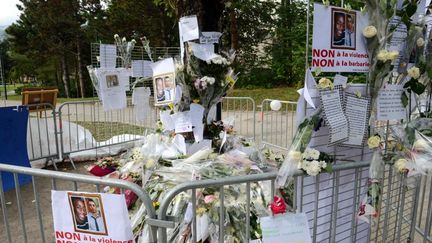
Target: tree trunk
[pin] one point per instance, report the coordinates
(80, 72)
(65, 75)
(233, 30)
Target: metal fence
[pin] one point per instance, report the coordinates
(307, 197)
(277, 127)
(241, 111)
(423, 210)
(26, 212)
(84, 125)
(42, 133)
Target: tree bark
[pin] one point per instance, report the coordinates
(80, 72)
(233, 30)
(65, 75)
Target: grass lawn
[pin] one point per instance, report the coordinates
(282, 93)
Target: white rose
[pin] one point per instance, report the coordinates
(150, 164)
(324, 83)
(369, 31)
(373, 142)
(420, 145)
(323, 164)
(294, 155)
(313, 168)
(400, 165)
(392, 55)
(414, 72)
(382, 55)
(211, 81)
(420, 42)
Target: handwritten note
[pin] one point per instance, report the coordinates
(141, 69)
(389, 104)
(107, 56)
(203, 51)
(182, 121)
(280, 228)
(340, 80)
(334, 115)
(356, 111)
(210, 37)
(189, 28)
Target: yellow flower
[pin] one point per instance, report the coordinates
(414, 72)
(393, 55)
(171, 106)
(420, 145)
(325, 83)
(196, 101)
(369, 31)
(373, 142)
(200, 211)
(156, 204)
(358, 94)
(382, 55)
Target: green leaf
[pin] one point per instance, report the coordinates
(418, 87)
(404, 99)
(329, 168)
(411, 9)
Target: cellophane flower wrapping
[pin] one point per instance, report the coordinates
(158, 171)
(419, 136)
(300, 142)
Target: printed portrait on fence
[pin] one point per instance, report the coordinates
(343, 29)
(88, 214)
(112, 81)
(164, 88)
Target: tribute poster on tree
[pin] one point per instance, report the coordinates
(337, 44)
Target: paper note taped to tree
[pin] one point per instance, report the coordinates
(90, 217)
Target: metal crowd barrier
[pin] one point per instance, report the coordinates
(243, 112)
(423, 210)
(84, 125)
(307, 197)
(42, 133)
(29, 219)
(277, 127)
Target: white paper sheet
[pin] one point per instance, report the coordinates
(112, 92)
(141, 102)
(189, 28)
(205, 144)
(141, 69)
(356, 111)
(182, 122)
(334, 115)
(179, 142)
(210, 37)
(163, 66)
(281, 227)
(166, 120)
(107, 56)
(389, 103)
(340, 80)
(204, 52)
(196, 113)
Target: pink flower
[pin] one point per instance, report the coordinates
(209, 199)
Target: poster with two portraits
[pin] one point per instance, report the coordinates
(337, 43)
(164, 85)
(90, 217)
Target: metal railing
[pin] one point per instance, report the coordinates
(42, 133)
(21, 228)
(84, 125)
(243, 112)
(277, 127)
(305, 198)
(423, 210)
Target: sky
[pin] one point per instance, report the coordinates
(8, 11)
